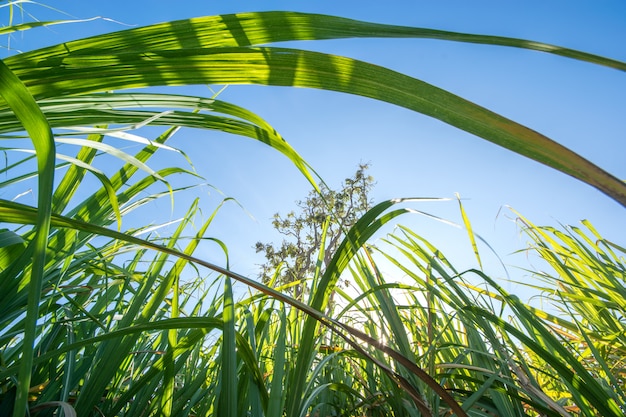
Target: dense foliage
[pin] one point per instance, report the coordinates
(101, 320)
(313, 234)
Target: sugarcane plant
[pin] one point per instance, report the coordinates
(101, 319)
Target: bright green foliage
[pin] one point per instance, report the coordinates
(103, 320)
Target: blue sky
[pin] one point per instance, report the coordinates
(577, 104)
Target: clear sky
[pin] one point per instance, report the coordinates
(577, 104)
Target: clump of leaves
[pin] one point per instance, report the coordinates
(322, 220)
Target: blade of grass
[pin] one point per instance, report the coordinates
(228, 385)
(28, 112)
(251, 29)
(276, 398)
(470, 233)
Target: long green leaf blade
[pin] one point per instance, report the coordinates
(103, 71)
(30, 115)
(259, 28)
(228, 392)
